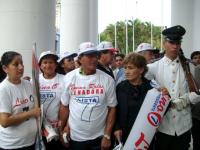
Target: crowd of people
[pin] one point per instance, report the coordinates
(91, 99)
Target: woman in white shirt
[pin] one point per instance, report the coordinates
(17, 108)
(51, 87)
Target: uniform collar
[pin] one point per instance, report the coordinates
(169, 61)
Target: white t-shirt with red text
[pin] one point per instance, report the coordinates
(50, 96)
(14, 99)
(88, 97)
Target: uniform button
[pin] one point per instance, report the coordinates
(172, 64)
(174, 116)
(173, 81)
(177, 61)
(173, 72)
(172, 90)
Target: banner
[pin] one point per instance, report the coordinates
(147, 121)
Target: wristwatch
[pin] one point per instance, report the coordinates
(106, 136)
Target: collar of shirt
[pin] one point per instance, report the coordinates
(169, 61)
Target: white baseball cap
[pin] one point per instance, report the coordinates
(47, 53)
(144, 47)
(87, 48)
(105, 45)
(66, 54)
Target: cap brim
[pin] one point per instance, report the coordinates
(173, 38)
(71, 55)
(54, 55)
(113, 50)
(89, 52)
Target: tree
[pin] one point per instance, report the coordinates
(142, 32)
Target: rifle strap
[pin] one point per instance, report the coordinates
(190, 80)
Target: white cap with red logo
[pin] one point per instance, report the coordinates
(87, 48)
(144, 47)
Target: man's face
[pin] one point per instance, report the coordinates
(148, 55)
(107, 57)
(89, 62)
(119, 62)
(196, 59)
(172, 48)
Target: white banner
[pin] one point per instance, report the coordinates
(147, 121)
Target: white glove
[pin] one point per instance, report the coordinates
(180, 103)
(194, 98)
(191, 97)
(51, 132)
(66, 138)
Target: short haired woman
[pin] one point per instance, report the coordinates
(130, 94)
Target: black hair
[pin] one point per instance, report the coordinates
(194, 54)
(7, 57)
(120, 55)
(60, 70)
(2, 73)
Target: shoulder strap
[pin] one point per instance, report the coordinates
(190, 80)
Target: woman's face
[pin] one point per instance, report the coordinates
(48, 66)
(133, 73)
(68, 64)
(15, 68)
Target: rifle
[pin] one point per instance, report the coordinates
(186, 67)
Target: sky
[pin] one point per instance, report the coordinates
(156, 11)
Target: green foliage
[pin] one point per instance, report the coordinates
(142, 32)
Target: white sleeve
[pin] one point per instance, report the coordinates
(149, 75)
(5, 101)
(111, 94)
(65, 97)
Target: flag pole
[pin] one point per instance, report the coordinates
(36, 93)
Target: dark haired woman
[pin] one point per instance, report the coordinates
(17, 108)
(66, 62)
(51, 88)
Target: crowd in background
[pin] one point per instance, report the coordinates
(91, 99)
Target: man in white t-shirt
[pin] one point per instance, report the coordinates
(91, 99)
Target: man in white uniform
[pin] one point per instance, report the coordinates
(174, 131)
(91, 99)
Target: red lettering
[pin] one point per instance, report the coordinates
(162, 103)
(159, 108)
(97, 91)
(88, 92)
(143, 142)
(83, 92)
(54, 86)
(79, 92)
(101, 92)
(92, 91)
